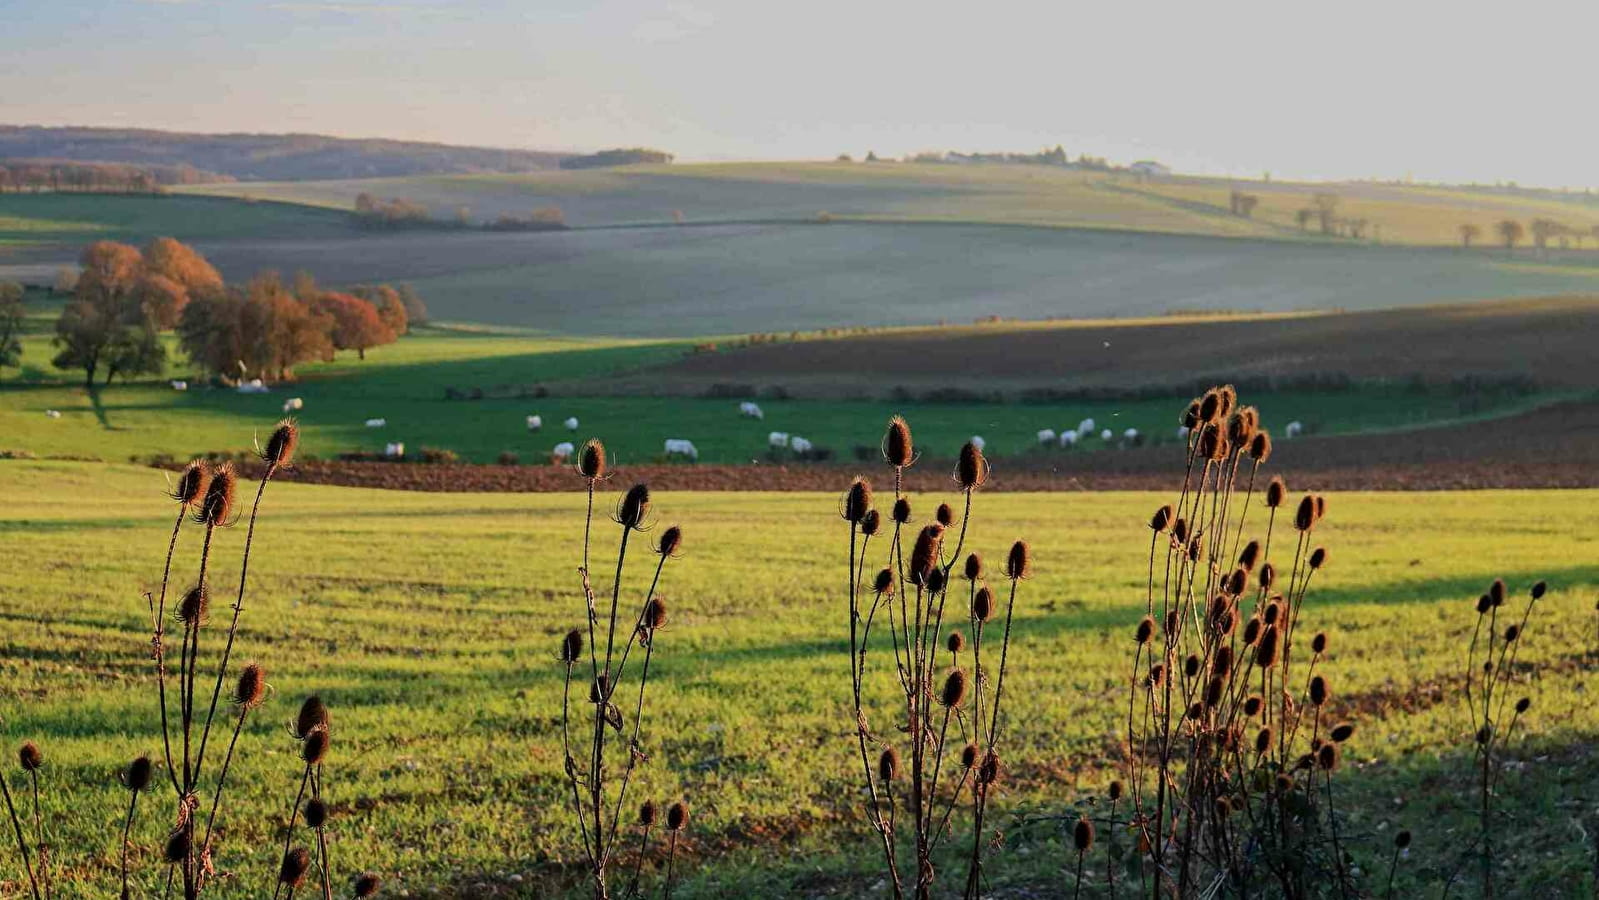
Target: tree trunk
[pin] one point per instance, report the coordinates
(360, 353)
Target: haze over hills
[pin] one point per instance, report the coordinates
(266, 157)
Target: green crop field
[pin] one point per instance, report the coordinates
(430, 624)
(52, 221)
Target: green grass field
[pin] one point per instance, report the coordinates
(31, 221)
(430, 623)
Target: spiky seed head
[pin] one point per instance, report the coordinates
(634, 507)
(1173, 620)
(857, 500)
(1305, 516)
(600, 688)
(1145, 630)
(1496, 592)
(1249, 557)
(1524, 704)
(1229, 399)
(902, 511)
(1484, 603)
(954, 693)
(654, 613)
(1263, 739)
(572, 646)
(367, 884)
(1242, 426)
(1115, 791)
(1266, 650)
(1162, 518)
(1327, 757)
(176, 849)
(1318, 557)
(1276, 492)
(1237, 582)
(945, 515)
(924, 553)
(1179, 530)
(1212, 443)
(1252, 632)
(251, 687)
(1511, 633)
(31, 757)
(1222, 663)
(1191, 665)
(280, 447)
(1196, 711)
(216, 507)
(1252, 705)
(1210, 406)
(671, 541)
(295, 864)
(195, 607)
(1195, 548)
(1318, 644)
(1268, 576)
(1341, 732)
(974, 567)
(647, 814)
(1539, 589)
(935, 580)
(1485, 734)
(897, 446)
(971, 470)
(871, 523)
(1260, 446)
(313, 715)
(1214, 691)
(192, 483)
(983, 604)
(969, 756)
(137, 776)
(1272, 611)
(315, 748)
(1190, 417)
(1019, 563)
(316, 812)
(956, 642)
(1402, 840)
(591, 461)
(988, 769)
(1318, 691)
(1321, 507)
(888, 764)
(1083, 834)
(884, 582)
(1157, 675)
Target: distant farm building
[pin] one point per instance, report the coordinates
(1148, 168)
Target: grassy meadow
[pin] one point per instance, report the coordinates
(42, 221)
(429, 623)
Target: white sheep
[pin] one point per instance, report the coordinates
(1293, 429)
(1046, 436)
(799, 445)
(253, 386)
(535, 423)
(394, 449)
(1085, 427)
(777, 440)
(563, 450)
(1107, 435)
(750, 410)
(679, 447)
(571, 423)
(1130, 434)
(376, 423)
(52, 413)
(1068, 438)
(293, 404)
(978, 442)
(179, 385)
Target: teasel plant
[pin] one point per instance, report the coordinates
(312, 728)
(602, 742)
(950, 718)
(35, 852)
(1231, 748)
(1490, 675)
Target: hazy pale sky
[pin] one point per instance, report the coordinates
(1441, 90)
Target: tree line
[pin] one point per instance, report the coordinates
(124, 298)
(1511, 232)
(64, 176)
(398, 213)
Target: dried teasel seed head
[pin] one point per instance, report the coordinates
(1162, 519)
(983, 605)
(30, 756)
(1173, 620)
(884, 582)
(315, 748)
(888, 764)
(988, 770)
(367, 884)
(1190, 417)
(313, 715)
(634, 507)
(316, 812)
(1083, 834)
(1210, 406)
(1229, 399)
(655, 613)
(956, 642)
(1249, 557)
(857, 500)
(1511, 633)
(216, 507)
(1321, 507)
(591, 460)
(1402, 840)
(971, 470)
(954, 693)
(1305, 516)
(1179, 530)
(871, 523)
(572, 646)
(1341, 732)
(1266, 650)
(1272, 612)
(138, 774)
(1212, 443)
(1252, 632)
(1539, 589)
(1524, 704)
(1145, 630)
(1318, 644)
(935, 580)
(1263, 739)
(1157, 675)
(1318, 691)
(1214, 691)
(902, 511)
(1237, 582)
(1019, 564)
(1195, 548)
(195, 607)
(192, 483)
(1484, 603)
(295, 864)
(1116, 791)
(600, 688)
(1221, 664)
(280, 447)
(1268, 576)
(1252, 705)
(1260, 446)
(974, 567)
(924, 553)
(1242, 426)
(1191, 665)
(1276, 492)
(647, 814)
(671, 541)
(1485, 734)
(945, 515)
(898, 448)
(1285, 783)
(176, 849)
(969, 756)
(251, 687)
(1318, 557)
(1496, 592)
(1327, 757)
(1196, 711)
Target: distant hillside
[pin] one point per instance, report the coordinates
(266, 157)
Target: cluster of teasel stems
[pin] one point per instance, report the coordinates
(598, 796)
(1218, 702)
(911, 592)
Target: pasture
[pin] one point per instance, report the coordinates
(33, 225)
(429, 623)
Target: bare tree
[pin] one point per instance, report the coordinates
(1469, 233)
(1510, 231)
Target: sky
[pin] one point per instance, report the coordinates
(1437, 91)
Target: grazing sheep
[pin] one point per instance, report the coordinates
(293, 404)
(253, 386)
(750, 410)
(978, 442)
(777, 440)
(1068, 438)
(535, 423)
(1046, 436)
(376, 423)
(1085, 427)
(1294, 429)
(799, 445)
(571, 423)
(178, 385)
(679, 447)
(1130, 435)
(1107, 435)
(394, 449)
(563, 450)
(52, 413)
